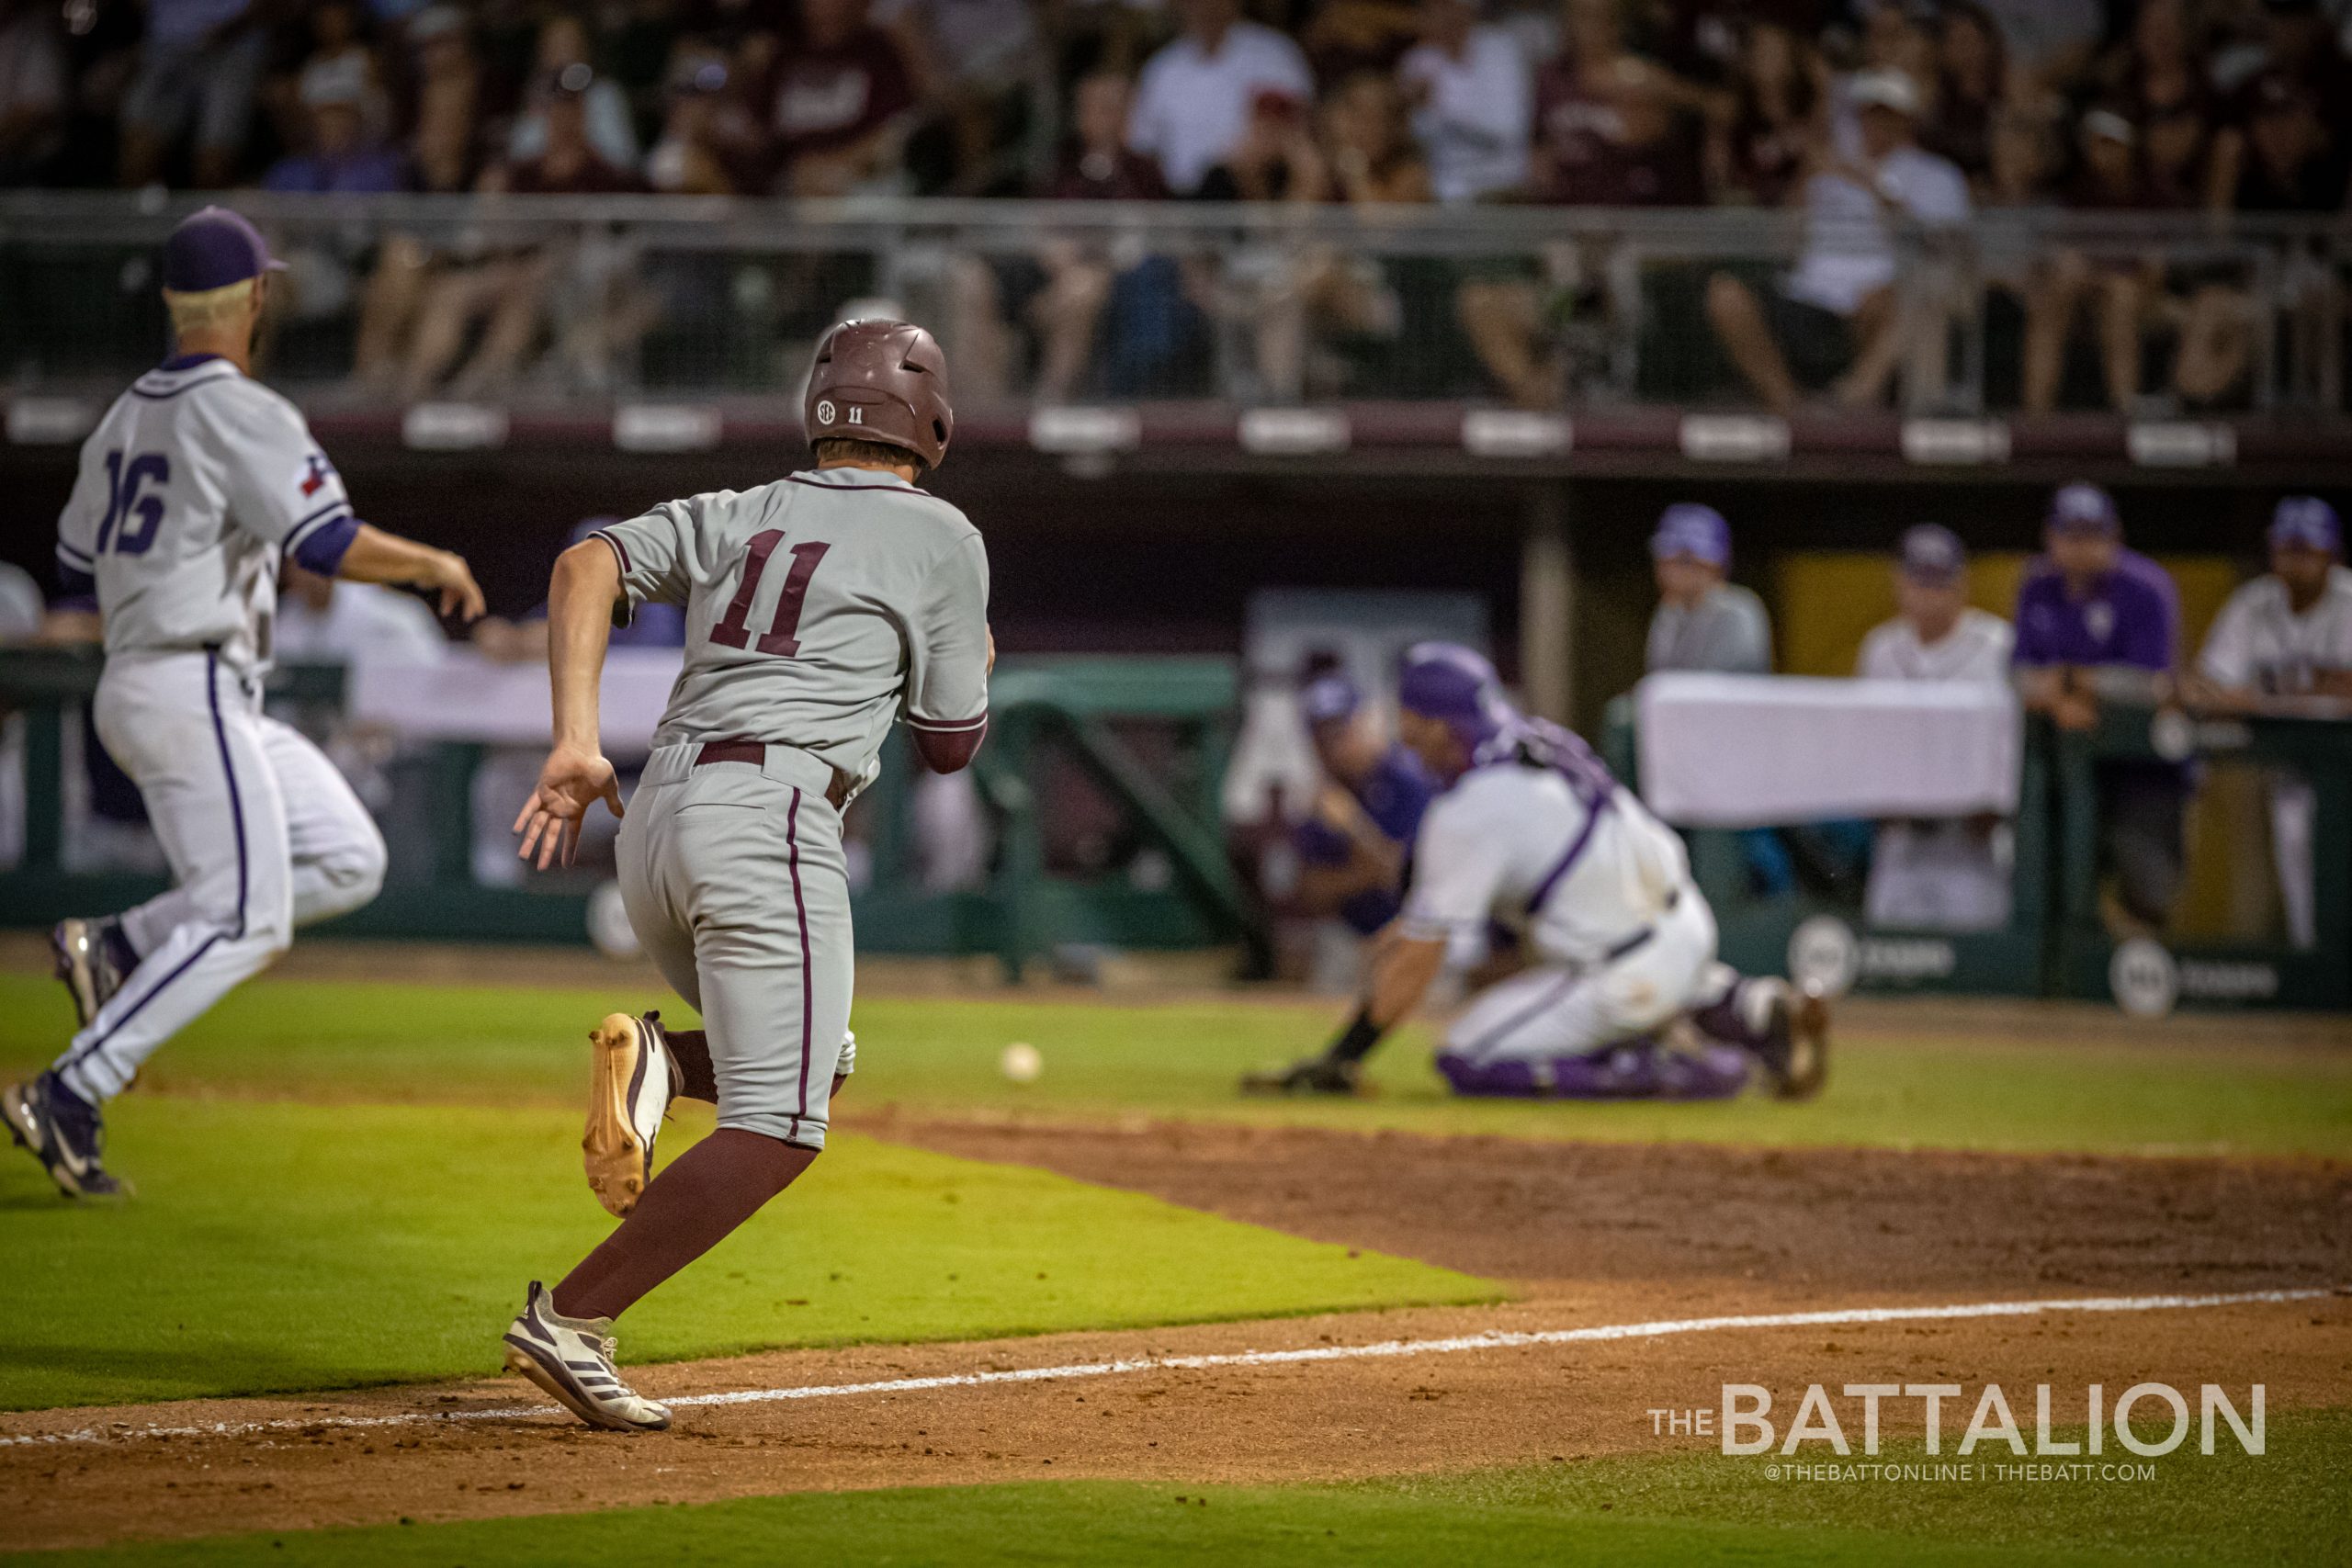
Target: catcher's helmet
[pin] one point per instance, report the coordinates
(883, 381)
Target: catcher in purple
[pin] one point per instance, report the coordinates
(1620, 995)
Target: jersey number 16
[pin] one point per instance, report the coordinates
(138, 514)
(734, 629)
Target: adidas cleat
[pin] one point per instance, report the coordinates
(632, 1081)
(572, 1358)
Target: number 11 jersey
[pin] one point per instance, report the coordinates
(193, 488)
(818, 608)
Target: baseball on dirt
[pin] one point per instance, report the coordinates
(1021, 1062)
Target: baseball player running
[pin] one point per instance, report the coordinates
(818, 608)
(1532, 832)
(194, 489)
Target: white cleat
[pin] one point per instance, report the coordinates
(632, 1080)
(572, 1358)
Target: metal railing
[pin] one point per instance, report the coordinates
(551, 300)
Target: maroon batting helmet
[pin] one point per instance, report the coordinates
(883, 381)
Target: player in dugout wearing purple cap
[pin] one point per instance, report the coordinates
(1949, 873)
(2098, 621)
(1354, 845)
(2282, 641)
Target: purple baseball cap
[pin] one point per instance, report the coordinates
(2081, 508)
(1328, 699)
(2307, 520)
(1932, 553)
(213, 249)
(1687, 529)
(1455, 686)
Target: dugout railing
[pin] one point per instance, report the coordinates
(1251, 305)
(2058, 941)
(2088, 958)
(1151, 737)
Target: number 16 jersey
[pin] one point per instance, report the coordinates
(193, 488)
(818, 608)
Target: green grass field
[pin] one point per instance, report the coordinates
(312, 1040)
(286, 1246)
(347, 1184)
(2283, 1508)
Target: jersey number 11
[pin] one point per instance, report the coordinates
(734, 630)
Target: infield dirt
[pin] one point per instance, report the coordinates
(1586, 1235)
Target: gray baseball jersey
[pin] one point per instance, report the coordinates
(2259, 640)
(194, 487)
(818, 608)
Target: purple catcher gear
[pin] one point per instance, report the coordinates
(1639, 1068)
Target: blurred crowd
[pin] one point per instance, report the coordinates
(2103, 104)
(1863, 114)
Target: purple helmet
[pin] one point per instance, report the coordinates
(1457, 687)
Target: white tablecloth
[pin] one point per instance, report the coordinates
(468, 698)
(1749, 751)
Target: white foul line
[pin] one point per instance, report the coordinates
(1494, 1340)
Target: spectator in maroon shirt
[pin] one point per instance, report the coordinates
(1972, 83)
(1056, 296)
(1767, 123)
(2291, 165)
(2299, 43)
(1612, 129)
(2159, 66)
(2282, 160)
(710, 144)
(840, 99)
(570, 165)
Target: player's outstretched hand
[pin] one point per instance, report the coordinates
(454, 581)
(573, 780)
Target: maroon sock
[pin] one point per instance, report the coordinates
(705, 1193)
(690, 1048)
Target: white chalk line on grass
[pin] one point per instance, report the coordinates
(1493, 1339)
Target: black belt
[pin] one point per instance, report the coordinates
(1634, 943)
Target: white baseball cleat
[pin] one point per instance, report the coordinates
(572, 1358)
(633, 1079)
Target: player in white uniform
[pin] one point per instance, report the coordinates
(1534, 834)
(1952, 873)
(195, 487)
(2287, 634)
(820, 609)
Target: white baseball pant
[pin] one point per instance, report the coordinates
(1561, 1010)
(261, 833)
